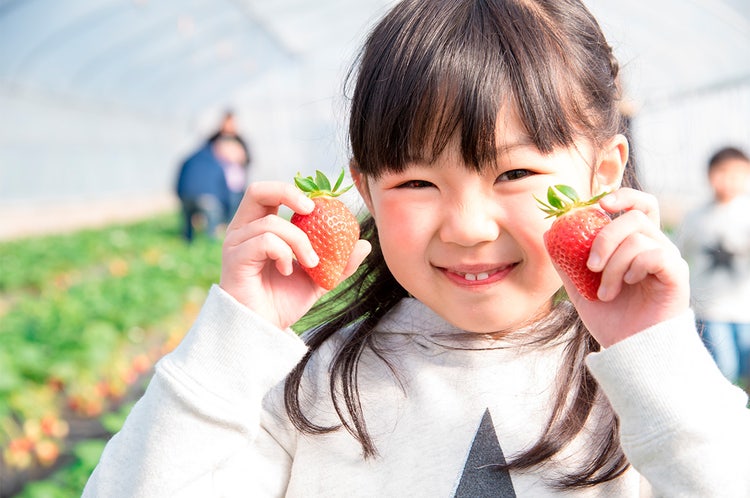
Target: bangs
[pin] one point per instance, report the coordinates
(446, 68)
(423, 88)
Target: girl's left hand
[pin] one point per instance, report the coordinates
(644, 278)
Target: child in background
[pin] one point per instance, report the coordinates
(233, 160)
(451, 364)
(715, 241)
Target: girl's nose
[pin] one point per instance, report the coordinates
(470, 222)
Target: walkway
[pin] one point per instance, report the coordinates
(19, 220)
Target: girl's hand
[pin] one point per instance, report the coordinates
(262, 254)
(644, 278)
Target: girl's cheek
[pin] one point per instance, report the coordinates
(534, 223)
(397, 220)
(536, 228)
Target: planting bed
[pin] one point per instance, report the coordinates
(83, 319)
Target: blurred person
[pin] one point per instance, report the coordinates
(203, 192)
(232, 157)
(715, 240)
(229, 128)
(234, 154)
(212, 181)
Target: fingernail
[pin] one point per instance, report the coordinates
(312, 260)
(602, 293)
(628, 277)
(594, 261)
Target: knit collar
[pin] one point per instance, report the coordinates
(410, 317)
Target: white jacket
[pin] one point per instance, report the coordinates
(212, 422)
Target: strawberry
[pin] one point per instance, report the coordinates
(332, 228)
(570, 237)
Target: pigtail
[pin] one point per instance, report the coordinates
(579, 401)
(366, 297)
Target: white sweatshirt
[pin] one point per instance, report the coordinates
(212, 422)
(715, 241)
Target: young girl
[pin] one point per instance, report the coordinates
(451, 364)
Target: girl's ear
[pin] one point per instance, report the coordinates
(361, 183)
(611, 165)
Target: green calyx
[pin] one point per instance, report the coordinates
(562, 199)
(320, 185)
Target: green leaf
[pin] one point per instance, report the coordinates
(553, 199)
(339, 180)
(89, 451)
(44, 489)
(322, 180)
(568, 192)
(113, 422)
(10, 377)
(305, 184)
(596, 198)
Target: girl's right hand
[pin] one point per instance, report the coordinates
(263, 253)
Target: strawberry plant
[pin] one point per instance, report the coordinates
(80, 328)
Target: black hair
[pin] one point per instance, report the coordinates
(726, 154)
(429, 70)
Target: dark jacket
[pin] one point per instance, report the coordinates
(202, 174)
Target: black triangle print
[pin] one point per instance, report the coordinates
(481, 477)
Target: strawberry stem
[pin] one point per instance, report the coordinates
(320, 185)
(562, 199)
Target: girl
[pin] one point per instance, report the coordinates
(451, 364)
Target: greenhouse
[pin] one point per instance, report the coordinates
(102, 102)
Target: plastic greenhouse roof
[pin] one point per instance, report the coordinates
(178, 56)
(167, 55)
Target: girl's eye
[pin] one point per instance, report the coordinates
(515, 174)
(415, 184)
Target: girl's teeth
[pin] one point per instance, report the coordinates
(477, 276)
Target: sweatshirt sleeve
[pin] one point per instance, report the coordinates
(197, 427)
(683, 426)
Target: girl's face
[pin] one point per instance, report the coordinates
(470, 245)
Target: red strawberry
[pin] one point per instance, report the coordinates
(332, 228)
(570, 237)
